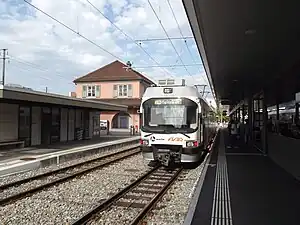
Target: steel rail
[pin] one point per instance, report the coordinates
(110, 201)
(26, 180)
(139, 218)
(68, 177)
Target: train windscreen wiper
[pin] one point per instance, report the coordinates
(152, 130)
(184, 134)
(173, 127)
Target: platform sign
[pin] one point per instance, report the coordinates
(297, 97)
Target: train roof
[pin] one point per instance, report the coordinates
(177, 91)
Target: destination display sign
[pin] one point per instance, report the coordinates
(177, 101)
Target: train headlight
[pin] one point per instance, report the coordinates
(192, 144)
(144, 142)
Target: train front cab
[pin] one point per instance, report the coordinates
(190, 151)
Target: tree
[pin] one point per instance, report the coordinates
(221, 114)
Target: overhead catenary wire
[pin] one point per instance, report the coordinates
(22, 62)
(164, 39)
(175, 65)
(168, 37)
(180, 54)
(181, 33)
(28, 70)
(126, 35)
(75, 32)
(46, 78)
(22, 69)
(38, 67)
(71, 29)
(174, 16)
(36, 77)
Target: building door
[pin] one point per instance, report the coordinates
(25, 125)
(123, 122)
(55, 125)
(86, 120)
(46, 126)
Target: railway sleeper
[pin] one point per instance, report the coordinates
(150, 186)
(144, 191)
(138, 197)
(131, 204)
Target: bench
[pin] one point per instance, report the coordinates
(16, 143)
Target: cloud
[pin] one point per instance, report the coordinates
(35, 39)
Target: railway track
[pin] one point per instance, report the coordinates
(137, 199)
(51, 178)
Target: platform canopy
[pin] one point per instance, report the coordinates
(247, 44)
(13, 94)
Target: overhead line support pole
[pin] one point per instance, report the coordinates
(3, 65)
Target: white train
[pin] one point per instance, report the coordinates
(177, 126)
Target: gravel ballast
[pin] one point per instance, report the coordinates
(173, 207)
(23, 175)
(70, 200)
(44, 180)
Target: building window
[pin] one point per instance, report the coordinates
(123, 90)
(284, 119)
(90, 91)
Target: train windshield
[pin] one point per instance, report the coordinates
(170, 115)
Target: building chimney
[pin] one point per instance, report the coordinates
(72, 94)
(129, 64)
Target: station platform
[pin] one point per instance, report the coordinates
(11, 154)
(241, 186)
(24, 159)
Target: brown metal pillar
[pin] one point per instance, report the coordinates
(297, 113)
(243, 113)
(277, 111)
(265, 125)
(250, 117)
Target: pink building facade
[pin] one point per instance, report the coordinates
(114, 84)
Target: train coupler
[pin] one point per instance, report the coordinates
(165, 160)
(169, 159)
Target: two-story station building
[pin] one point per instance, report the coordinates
(116, 84)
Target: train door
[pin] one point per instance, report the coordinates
(202, 125)
(200, 128)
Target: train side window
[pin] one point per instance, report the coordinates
(201, 118)
(146, 115)
(191, 114)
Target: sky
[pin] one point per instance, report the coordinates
(43, 53)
